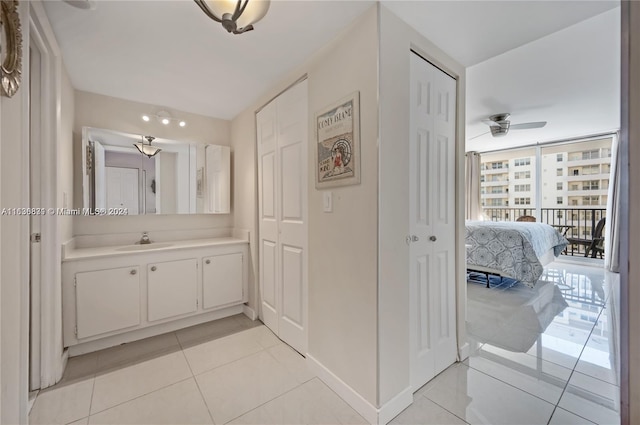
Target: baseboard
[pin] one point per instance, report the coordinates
(112, 341)
(249, 312)
(367, 410)
(464, 351)
(397, 404)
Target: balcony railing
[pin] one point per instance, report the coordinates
(580, 222)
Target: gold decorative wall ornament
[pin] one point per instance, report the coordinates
(10, 48)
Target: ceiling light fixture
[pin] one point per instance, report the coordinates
(236, 16)
(165, 118)
(147, 149)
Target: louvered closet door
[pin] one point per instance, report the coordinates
(432, 221)
(282, 169)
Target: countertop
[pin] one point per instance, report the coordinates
(74, 254)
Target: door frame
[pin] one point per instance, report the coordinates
(48, 316)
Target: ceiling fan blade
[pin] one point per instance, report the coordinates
(490, 122)
(480, 135)
(528, 125)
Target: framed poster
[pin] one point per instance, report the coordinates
(338, 143)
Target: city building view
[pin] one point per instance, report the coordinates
(562, 184)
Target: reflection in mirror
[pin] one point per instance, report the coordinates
(181, 178)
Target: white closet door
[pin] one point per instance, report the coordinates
(282, 128)
(267, 165)
(122, 188)
(292, 138)
(432, 221)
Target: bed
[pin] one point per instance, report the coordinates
(518, 250)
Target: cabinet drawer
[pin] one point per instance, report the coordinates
(107, 300)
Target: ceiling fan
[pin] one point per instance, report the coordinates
(499, 125)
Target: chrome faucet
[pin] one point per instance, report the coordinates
(144, 240)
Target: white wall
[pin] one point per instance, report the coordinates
(13, 243)
(244, 202)
(397, 38)
(570, 79)
(343, 244)
(94, 110)
(65, 157)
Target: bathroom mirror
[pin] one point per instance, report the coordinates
(182, 178)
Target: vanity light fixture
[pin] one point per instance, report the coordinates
(164, 118)
(146, 148)
(236, 16)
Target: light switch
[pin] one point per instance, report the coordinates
(327, 201)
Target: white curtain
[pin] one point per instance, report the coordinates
(473, 210)
(612, 234)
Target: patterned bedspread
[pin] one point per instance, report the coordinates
(512, 248)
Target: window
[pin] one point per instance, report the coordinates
(591, 169)
(591, 185)
(591, 154)
(522, 188)
(510, 171)
(559, 200)
(481, 179)
(590, 200)
(499, 165)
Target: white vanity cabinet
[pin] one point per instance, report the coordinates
(222, 277)
(112, 295)
(107, 300)
(172, 288)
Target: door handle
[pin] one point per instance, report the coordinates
(411, 238)
(432, 238)
(153, 268)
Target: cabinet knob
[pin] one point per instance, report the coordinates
(134, 271)
(208, 262)
(153, 268)
(432, 238)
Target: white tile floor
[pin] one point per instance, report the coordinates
(535, 360)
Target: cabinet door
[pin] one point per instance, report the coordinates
(107, 300)
(222, 280)
(172, 288)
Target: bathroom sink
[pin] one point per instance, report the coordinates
(145, 247)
